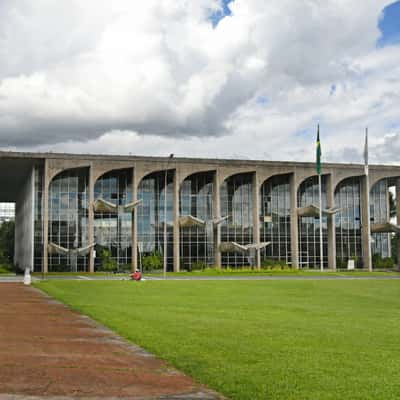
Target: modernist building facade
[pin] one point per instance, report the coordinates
(69, 208)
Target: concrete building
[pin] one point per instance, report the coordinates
(69, 208)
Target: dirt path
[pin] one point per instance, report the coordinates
(47, 350)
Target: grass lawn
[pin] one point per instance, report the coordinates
(277, 272)
(259, 339)
(66, 274)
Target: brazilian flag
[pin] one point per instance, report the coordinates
(318, 163)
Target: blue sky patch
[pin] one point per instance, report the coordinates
(393, 126)
(303, 132)
(262, 100)
(216, 16)
(389, 25)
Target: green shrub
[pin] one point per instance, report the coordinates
(198, 266)
(341, 263)
(152, 261)
(60, 268)
(382, 262)
(5, 269)
(107, 262)
(273, 264)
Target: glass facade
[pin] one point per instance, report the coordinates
(150, 215)
(348, 222)
(113, 230)
(275, 218)
(69, 209)
(237, 201)
(380, 213)
(68, 218)
(38, 222)
(196, 243)
(309, 235)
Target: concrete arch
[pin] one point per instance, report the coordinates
(99, 169)
(265, 180)
(299, 183)
(187, 175)
(224, 175)
(340, 175)
(339, 182)
(262, 181)
(98, 175)
(263, 174)
(375, 177)
(53, 171)
(141, 175)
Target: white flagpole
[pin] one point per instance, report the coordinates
(366, 172)
(321, 247)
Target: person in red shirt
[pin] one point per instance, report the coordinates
(136, 276)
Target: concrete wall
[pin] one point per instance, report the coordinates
(24, 224)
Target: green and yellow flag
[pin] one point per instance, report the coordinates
(318, 164)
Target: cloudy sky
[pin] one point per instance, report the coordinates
(214, 78)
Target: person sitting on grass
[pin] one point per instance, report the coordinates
(136, 276)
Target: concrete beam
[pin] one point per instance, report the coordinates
(91, 218)
(176, 229)
(216, 215)
(294, 222)
(134, 222)
(45, 208)
(365, 224)
(330, 196)
(256, 188)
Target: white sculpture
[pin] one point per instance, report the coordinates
(27, 277)
(72, 254)
(101, 205)
(313, 211)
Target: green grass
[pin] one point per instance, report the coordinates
(63, 274)
(276, 272)
(260, 339)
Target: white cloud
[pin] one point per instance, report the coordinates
(104, 76)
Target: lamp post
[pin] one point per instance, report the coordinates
(165, 217)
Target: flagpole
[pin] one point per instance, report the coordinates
(366, 172)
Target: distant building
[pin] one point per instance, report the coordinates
(7, 212)
(219, 212)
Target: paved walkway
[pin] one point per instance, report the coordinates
(345, 276)
(46, 350)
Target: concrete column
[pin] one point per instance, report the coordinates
(330, 196)
(365, 224)
(216, 214)
(135, 185)
(398, 218)
(294, 222)
(175, 200)
(24, 224)
(45, 216)
(91, 218)
(256, 217)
